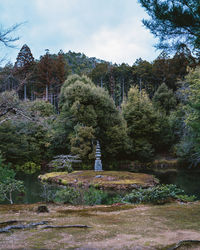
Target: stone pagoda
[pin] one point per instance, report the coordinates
(98, 164)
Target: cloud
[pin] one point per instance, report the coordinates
(107, 29)
(124, 43)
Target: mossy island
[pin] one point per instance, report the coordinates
(113, 180)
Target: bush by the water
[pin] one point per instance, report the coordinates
(68, 195)
(157, 195)
(8, 183)
(97, 197)
(90, 196)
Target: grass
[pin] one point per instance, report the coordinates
(106, 180)
(117, 226)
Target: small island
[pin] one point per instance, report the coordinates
(116, 180)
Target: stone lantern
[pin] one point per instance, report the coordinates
(98, 164)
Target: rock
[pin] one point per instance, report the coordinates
(98, 176)
(42, 209)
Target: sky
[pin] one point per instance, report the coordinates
(111, 30)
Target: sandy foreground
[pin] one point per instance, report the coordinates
(112, 227)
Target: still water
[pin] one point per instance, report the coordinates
(188, 180)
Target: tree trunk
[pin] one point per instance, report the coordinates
(122, 89)
(101, 83)
(47, 92)
(25, 94)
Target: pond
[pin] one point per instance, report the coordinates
(188, 180)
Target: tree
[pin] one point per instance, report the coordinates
(8, 183)
(81, 143)
(6, 37)
(45, 73)
(189, 147)
(171, 70)
(51, 71)
(143, 76)
(10, 107)
(164, 99)
(23, 68)
(175, 21)
(142, 124)
(92, 108)
(99, 73)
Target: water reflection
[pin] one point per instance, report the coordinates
(188, 180)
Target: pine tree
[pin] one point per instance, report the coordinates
(175, 22)
(164, 99)
(23, 67)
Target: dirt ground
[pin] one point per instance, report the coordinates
(112, 227)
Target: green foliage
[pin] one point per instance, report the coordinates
(42, 108)
(49, 192)
(8, 183)
(186, 198)
(142, 124)
(189, 147)
(62, 163)
(81, 143)
(94, 112)
(164, 99)
(68, 195)
(80, 63)
(175, 21)
(23, 142)
(157, 195)
(87, 166)
(90, 196)
(28, 167)
(95, 197)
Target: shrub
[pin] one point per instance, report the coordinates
(95, 197)
(8, 183)
(68, 195)
(91, 196)
(186, 198)
(49, 192)
(63, 163)
(29, 168)
(157, 195)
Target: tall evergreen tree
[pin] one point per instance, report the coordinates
(174, 21)
(23, 67)
(164, 99)
(142, 124)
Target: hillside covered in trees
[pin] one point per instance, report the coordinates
(62, 103)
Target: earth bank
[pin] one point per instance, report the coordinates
(112, 227)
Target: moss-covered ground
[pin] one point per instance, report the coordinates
(112, 227)
(103, 179)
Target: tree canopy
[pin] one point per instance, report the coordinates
(174, 21)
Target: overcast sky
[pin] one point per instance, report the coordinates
(107, 29)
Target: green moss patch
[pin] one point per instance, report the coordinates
(121, 180)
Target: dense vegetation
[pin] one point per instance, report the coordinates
(136, 112)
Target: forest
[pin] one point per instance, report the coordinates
(65, 102)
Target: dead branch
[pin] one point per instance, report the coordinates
(21, 226)
(184, 243)
(66, 226)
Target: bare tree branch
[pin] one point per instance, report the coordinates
(6, 36)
